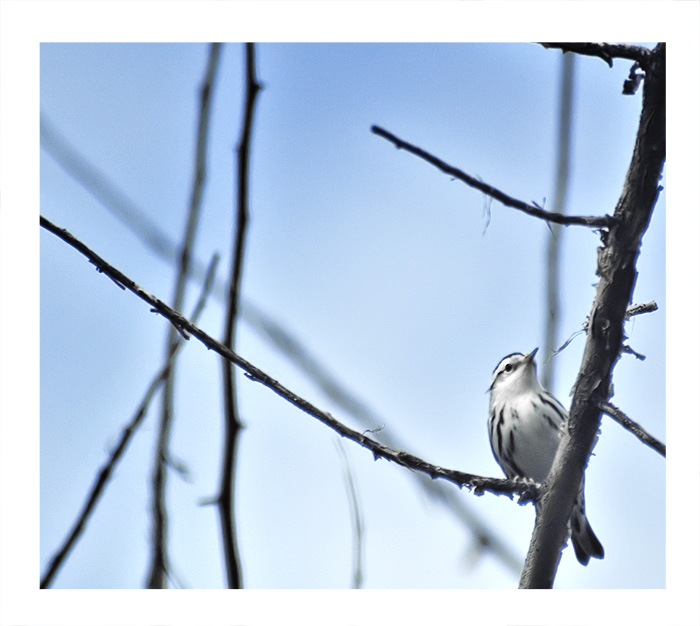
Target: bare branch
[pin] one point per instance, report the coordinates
(232, 422)
(526, 491)
(105, 473)
(605, 51)
(593, 222)
(641, 434)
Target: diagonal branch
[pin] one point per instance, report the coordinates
(633, 427)
(526, 491)
(105, 473)
(593, 221)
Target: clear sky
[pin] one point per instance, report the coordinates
(389, 272)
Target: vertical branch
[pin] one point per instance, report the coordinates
(157, 575)
(553, 249)
(357, 519)
(617, 272)
(232, 424)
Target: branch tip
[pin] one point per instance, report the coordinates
(534, 210)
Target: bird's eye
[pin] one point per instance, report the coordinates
(508, 367)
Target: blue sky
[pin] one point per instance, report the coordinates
(387, 270)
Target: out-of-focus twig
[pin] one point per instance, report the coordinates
(109, 194)
(157, 578)
(358, 526)
(563, 157)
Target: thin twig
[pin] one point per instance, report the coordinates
(232, 422)
(105, 473)
(624, 421)
(157, 576)
(603, 221)
(526, 492)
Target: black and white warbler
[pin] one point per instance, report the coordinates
(525, 422)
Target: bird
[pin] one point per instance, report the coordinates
(525, 422)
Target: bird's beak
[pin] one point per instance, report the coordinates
(531, 356)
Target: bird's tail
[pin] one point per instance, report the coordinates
(586, 544)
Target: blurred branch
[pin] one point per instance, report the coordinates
(105, 473)
(232, 422)
(624, 421)
(157, 575)
(605, 51)
(604, 221)
(616, 268)
(525, 491)
(358, 526)
(110, 195)
(554, 244)
(156, 240)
